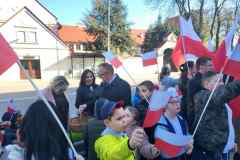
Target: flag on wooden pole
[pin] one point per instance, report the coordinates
(7, 55)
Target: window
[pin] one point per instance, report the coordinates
(26, 37)
(78, 47)
(30, 37)
(20, 37)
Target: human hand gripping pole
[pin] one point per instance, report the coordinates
(137, 138)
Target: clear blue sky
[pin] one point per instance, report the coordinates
(72, 11)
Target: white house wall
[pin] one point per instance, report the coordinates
(49, 49)
(9, 7)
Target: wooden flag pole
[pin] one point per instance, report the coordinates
(77, 156)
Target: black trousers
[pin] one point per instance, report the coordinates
(200, 154)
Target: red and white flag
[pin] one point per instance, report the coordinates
(224, 55)
(149, 58)
(7, 55)
(156, 107)
(157, 104)
(10, 106)
(171, 144)
(112, 59)
(189, 46)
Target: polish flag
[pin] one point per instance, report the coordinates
(224, 55)
(10, 106)
(171, 144)
(112, 59)
(149, 58)
(158, 101)
(7, 56)
(234, 105)
(189, 46)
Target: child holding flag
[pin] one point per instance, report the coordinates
(171, 133)
(114, 144)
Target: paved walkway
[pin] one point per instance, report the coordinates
(24, 85)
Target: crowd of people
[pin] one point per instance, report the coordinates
(115, 116)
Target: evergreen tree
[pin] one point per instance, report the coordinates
(96, 22)
(155, 35)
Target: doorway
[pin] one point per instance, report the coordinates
(32, 66)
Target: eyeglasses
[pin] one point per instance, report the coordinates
(100, 74)
(174, 102)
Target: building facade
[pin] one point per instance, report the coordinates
(31, 30)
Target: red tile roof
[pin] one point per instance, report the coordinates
(74, 34)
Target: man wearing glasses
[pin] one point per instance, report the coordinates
(113, 87)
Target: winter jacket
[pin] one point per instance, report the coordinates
(193, 87)
(117, 90)
(146, 148)
(62, 103)
(212, 133)
(110, 147)
(86, 95)
(13, 152)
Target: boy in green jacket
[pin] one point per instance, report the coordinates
(114, 143)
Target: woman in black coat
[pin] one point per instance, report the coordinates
(85, 93)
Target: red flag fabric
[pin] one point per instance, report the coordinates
(112, 59)
(170, 144)
(225, 55)
(235, 106)
(189, 46)
(232, 63)
(177, 54)
(7, 56)
(158, 101)
(149, 58)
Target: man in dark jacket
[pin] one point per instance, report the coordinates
(203, 65)
(113, 87)
(215, 134)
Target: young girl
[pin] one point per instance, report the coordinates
(145, 91)
(146, 149)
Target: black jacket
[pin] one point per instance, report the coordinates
(117, 90)
(86, 95)
(193, 87)
(212, 133)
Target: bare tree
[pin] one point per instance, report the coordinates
(218, 4)
(200, 22)
(183, 6)
(237, 7)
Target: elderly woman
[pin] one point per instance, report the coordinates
(56, 93)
